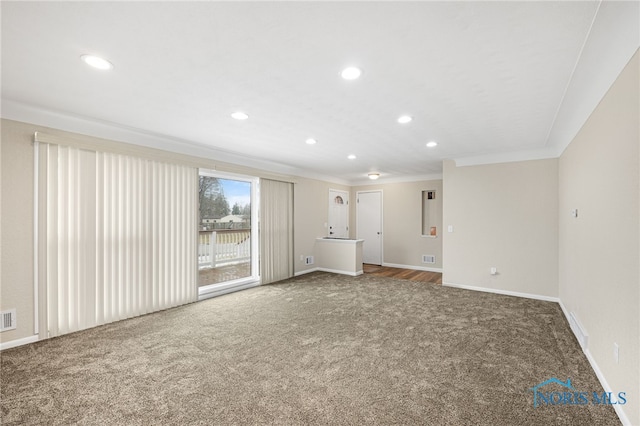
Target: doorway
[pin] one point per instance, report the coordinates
(369, 225)
(227, 242)
(338, 225)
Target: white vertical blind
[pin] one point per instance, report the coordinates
(117, 236)
(276, 230)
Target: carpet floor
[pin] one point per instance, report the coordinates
(316, 349)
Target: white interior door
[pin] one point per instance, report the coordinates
(338, 214)
(369, 225)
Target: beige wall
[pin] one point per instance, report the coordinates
(503, 216)
(403, 243)
(599, 250)
(311, 213)
(16, 287)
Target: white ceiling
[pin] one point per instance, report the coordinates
(489, 81)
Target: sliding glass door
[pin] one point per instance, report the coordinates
(227, 237)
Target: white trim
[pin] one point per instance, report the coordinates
(254, 182)
(19, 342)
(416, 268)
(306, 271)
(336, 240)
(503, 292)
(610, 43)
(36, 190)
(506, 157)
(594, 365)
(401, 179)
(225, 288)
(337, 271)
(19, 111)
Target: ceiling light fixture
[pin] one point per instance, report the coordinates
(373, 176)
(351, 73)
(239, 115)
(351, 157)
(404, 119)
(97, 62)
(311, 141)
(432, 144)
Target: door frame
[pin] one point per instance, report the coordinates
(253, 280)
(381, 219)
(347, 208)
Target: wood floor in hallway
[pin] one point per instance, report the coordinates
(405, 274)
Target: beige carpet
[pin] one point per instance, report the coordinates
(317, 349)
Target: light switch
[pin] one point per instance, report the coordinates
(574, 213)
(450, 228)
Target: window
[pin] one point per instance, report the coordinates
(227, 249)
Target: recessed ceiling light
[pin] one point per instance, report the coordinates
(373, 176)
(311, 141)
(432, 144)
(404, 119)
(351, 157)
(97, 62)
(351, 73)
(239, 115)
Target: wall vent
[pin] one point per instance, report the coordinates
(308, 260)
(8, 320)
(581, 335)
(428, 258)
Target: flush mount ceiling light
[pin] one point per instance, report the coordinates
(351, 157)
(239, 115)
(373, 176)
(351, 73)
(311, 141)
(97, 62)
(432, 144)
(404, 119)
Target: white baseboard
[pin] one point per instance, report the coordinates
(417, 268)
(333, 271)
(306, 271)
(337, 271)
(594, 366)
(503, 292)
(19, 342)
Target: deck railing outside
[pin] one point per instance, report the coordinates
(223, 247)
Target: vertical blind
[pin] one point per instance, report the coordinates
(117, 237)
(276, 230)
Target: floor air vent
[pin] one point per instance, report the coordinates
(581, 335)
(8, 320)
